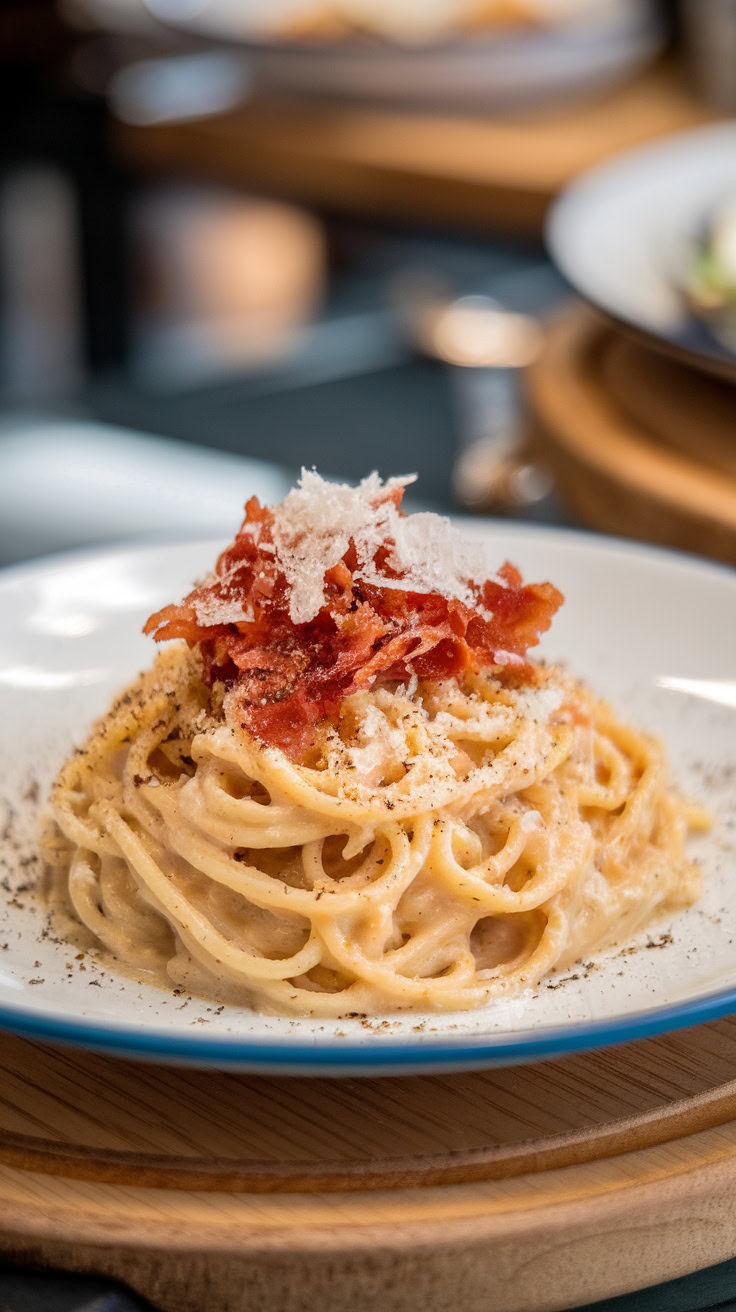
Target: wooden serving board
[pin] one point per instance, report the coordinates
(637, 444)
(474, 170)
(519, 1190)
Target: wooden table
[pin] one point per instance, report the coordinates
(416, 166)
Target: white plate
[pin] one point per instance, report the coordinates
(495, 69)
(623, 233)
(653, 631)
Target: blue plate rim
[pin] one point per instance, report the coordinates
(542, 1045)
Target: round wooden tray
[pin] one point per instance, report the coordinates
(550, 1185)
(637, 444)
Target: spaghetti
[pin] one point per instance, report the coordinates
(448, 830)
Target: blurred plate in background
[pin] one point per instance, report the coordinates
(626, 234)
(69, 483)
(494, 67)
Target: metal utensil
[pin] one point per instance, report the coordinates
(483, 345)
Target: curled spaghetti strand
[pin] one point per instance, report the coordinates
(444, 845)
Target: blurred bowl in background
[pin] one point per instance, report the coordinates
(626, 234)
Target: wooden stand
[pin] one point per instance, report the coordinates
(535, 1188)
(638, 444)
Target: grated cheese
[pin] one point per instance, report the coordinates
(529, 821)
(502, 657)
(539, 704)
(379, 745)
(314, 525)
(217, 610)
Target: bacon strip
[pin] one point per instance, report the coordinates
(288, 677)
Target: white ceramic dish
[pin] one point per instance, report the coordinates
(622, 236)
(653, 631)
(496, 69)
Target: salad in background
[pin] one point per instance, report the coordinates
(711, 287)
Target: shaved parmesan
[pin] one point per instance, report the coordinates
(316, 523)
(211, 609)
